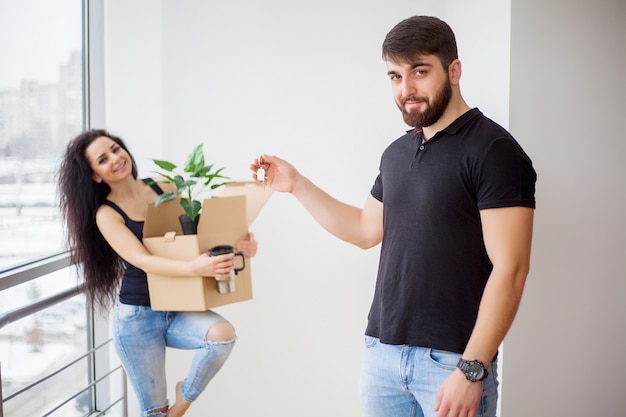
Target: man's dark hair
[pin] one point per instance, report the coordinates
(420, 35)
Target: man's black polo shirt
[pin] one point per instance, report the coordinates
(433, 263)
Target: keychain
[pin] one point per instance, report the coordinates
(260, 173)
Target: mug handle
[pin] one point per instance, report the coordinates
(243, 261)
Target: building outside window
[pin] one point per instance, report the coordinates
(41, 108)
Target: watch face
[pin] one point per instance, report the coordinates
(475, 371)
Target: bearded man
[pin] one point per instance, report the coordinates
(453, 206)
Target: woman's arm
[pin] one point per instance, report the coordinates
(127, 246)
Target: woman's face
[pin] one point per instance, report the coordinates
(108, 160)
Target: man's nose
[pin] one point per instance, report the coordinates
(408, 88)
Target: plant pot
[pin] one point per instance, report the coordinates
(190, 227)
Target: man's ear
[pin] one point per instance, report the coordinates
(96, 178)
(454, 72)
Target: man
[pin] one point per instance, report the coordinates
(453, 206)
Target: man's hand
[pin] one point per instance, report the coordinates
(277, 173)
(458, 397)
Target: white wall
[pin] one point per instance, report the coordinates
(564, 355)
(133, 76)
(304, 81)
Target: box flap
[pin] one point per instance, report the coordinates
(163, 219)
(237, 200)
(256, 196)
(222, 214)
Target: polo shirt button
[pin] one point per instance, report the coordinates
(421, 147)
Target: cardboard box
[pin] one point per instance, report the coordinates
(224, 221)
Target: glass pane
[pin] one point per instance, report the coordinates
(41, 107)
(43, 344)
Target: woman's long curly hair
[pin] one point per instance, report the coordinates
(79, 199)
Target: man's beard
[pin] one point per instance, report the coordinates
(433, 112)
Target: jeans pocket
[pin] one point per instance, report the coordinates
(127, 312)
(370, 341)
(444, 359)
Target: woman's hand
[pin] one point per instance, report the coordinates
(248, 247)
(213, 266)
(220, 266)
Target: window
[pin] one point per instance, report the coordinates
(41, 107)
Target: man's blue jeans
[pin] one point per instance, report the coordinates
(141, 335)
(403, 381)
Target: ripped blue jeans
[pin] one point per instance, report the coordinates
(141, 336)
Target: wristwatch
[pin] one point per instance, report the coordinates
(474, 370)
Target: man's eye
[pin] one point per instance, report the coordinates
(394, 77)
(420, 72)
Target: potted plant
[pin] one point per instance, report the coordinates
(195, 177)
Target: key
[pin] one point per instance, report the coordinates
(260, 173)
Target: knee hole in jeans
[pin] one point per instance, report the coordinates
(158, 412)
(221, 331)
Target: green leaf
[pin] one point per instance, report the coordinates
(169, 179)
(203, 171)
(214, 186)
(183, 183)
(192, 208)
(164, 197)
(166, 165)
(195, 160)
(215, 175)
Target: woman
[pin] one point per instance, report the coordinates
(104, 205)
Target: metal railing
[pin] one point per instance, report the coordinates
(99, 395)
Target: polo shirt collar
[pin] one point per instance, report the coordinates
(462, 120)
(453, 127)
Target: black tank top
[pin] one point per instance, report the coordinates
(134, 289)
